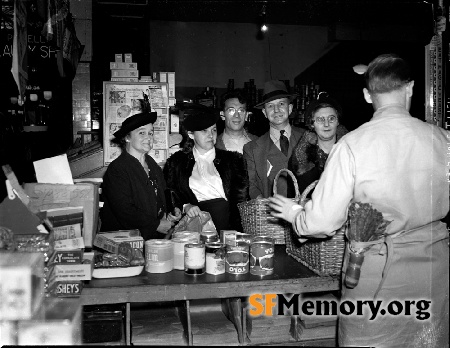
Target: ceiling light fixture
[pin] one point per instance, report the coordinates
(264, 26)
(360, 69)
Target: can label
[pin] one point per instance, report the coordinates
(178, 250)
(194, 258)
(261, 258)
(215, 258)
(158, 256)
(236, 261)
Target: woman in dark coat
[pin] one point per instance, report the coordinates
(311, 152)
(133, 185)
(206, 178)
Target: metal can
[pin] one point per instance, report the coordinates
(215, 258)
(183, 234)
(262, 251)
(178, 250)
(209, 237)
(244, 237)
(158, 256)
(194, 258)
(236, 261)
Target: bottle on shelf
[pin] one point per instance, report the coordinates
(205, 98)
(45, 108)
(230, 85)
(15, 121)
(21, 114)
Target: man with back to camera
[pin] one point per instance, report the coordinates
(396, 163)
(234, 113)
(269, 153)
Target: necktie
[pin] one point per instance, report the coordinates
(284, 143)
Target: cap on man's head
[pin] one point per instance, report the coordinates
(275, 89)
(386, 73)
(199, 118)
(135, 121)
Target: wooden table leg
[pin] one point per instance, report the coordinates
(128, 324)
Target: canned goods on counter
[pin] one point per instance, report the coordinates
(236, 261)
(178, 250)
(244, 237)
(194, 258)
(262, 252)
(225, 233)
(183, 234)
(215, 258)
(158, 256)
(209, 237)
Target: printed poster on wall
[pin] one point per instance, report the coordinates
(122, 100)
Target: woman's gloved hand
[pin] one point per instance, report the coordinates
(174, 218)
(164, 226)
(192, 210)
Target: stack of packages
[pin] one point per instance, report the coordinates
(68, 265)
(124, 70)
(26, 244)
(124, 254)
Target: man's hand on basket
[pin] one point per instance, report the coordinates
(284, 208)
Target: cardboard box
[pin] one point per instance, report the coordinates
(123, 66)
(69, 244)
(125, 79)
(174, 124)
(65, 288)
(71, 272)
(118, 58)
(49, 196)
(171, 81)
(124, 73)
(66, 257)
(67, 232)
(128, 57)
(60, 325)
(22, 284)
(162, 76)
(110, 241)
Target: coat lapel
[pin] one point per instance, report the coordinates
(261, 152)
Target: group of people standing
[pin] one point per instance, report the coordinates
(387, 162)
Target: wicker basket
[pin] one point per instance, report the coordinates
(256, 219)
(322, 256)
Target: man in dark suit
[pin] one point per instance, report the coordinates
(269, 153)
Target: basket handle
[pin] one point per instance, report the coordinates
(294, 179)
(306, 191)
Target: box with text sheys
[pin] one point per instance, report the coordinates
(110, 241)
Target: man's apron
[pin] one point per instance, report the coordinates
(419, 270)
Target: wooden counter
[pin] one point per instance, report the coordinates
(289, 277)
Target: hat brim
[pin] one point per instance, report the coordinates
(198, 121)
(291, 97)
(135, 121)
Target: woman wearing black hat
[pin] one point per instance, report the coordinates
(133, 185)
(310, 154)
(206, 178)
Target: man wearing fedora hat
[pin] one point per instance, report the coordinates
(269, 153)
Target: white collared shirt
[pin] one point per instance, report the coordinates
(205, 181)
(275, 135)
(235, 144)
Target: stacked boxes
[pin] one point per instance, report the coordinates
(124, 71)
(68, 266)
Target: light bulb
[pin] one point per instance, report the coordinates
(360, 69)
(264, 28)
